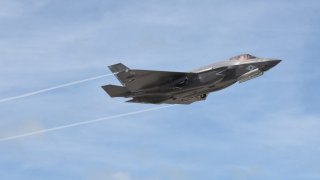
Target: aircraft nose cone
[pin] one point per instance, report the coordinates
(271, 64)
(275, 62)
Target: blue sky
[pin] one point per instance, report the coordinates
(267, 128)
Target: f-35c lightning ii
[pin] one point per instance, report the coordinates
(167, 87)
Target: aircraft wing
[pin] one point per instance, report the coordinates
(136, 80)
(166, 99)
(149, 99)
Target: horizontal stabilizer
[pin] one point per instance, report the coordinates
(116, 68)
(116, 91)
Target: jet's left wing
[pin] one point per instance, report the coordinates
(135, 80)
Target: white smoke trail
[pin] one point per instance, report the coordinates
(52, 88)
(81, 123)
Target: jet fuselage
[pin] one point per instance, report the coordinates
(192, 86)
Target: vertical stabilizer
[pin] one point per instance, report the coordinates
(116, 68)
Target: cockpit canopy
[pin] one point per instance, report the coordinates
(243, 57)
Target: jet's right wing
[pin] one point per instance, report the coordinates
(166, 100)
(149, 99)
(135, 80)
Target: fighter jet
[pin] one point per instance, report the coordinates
(168, 87)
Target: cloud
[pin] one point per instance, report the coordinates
(286, 131)
(117, 175)
(28, 125)
(18, 8)
(245, 130)
(120, 176)
(241, 172)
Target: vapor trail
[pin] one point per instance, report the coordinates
(81, 123)
(52, 88)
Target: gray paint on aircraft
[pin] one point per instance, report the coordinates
(167, 87)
